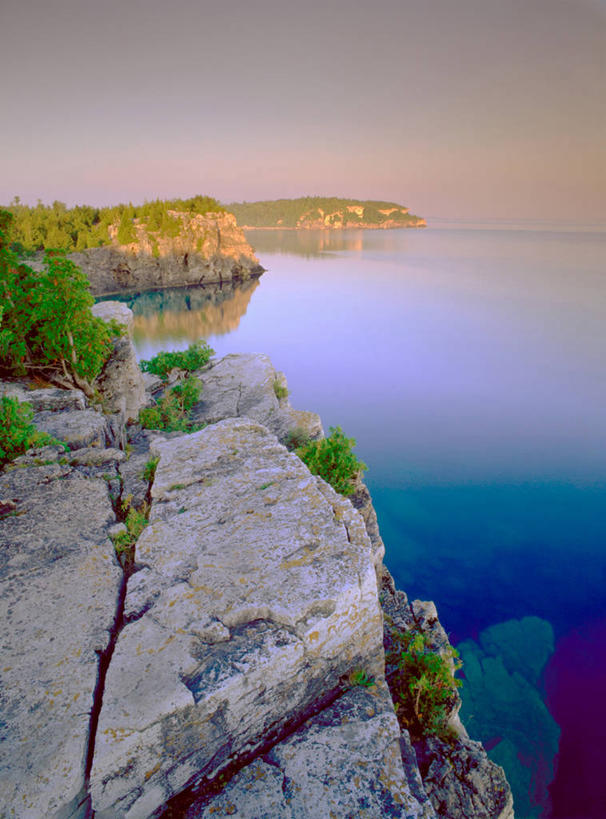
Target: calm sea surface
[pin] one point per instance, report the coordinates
(469, 366)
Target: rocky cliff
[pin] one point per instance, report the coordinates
(214, 673)
(202, 248)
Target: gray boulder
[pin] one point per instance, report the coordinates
(50, 399)
(77, 428)
(343, 762)
(120, 382)
(59, 589)
(243, 385)
(255, 598)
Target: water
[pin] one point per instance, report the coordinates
(468, 364)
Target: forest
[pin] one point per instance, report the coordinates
(292, 213)
(58, 227)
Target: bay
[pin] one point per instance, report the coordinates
(469, 366)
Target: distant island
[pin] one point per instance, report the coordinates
(323, 213)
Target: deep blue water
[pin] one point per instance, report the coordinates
(469, 366)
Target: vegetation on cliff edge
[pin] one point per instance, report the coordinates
(332, 459)
(47, 328)
(326, 211)
(56, 226)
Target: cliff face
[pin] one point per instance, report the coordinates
(204, 248)
(230, 651)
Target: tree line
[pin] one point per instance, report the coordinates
(56, 226)
(290, 212)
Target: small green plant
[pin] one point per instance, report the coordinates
(266, 485)
(423, 687)
(297, 437)
(124, 543)
(17, 433)
(280, 391)
(361, 678)
(171, 412)
(332, 459)
(196, 356)
(176, 487)
(149, 471)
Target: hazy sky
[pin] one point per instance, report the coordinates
(457, 108)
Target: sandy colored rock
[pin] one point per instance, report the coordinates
(344, 762)
(59, 585)
(209, 248)
(243, 385)
(256, 597)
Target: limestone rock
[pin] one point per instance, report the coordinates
(47, 399)
(343, 762)
(243, 385)
(209, 248)
(77, 428)
(120, 382)
(59, 585)
(256, 596)
(462, 782)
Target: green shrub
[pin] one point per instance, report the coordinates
(359, 677)
(171, 413)
(297, 437)
(17, 433)
(196, 356)
(423, 687)
(280, 390)
(124, 543)
(332, 459)
(149, 471)
(47, 324)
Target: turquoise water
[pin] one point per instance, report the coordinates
(468, 364)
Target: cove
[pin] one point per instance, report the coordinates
(468, 364)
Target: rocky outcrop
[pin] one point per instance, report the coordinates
(346, 761)
(237, 666)
(257, 595)
(206, 248)
(59, 590)
(249, 385)
(120, 383)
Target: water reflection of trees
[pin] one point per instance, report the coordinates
(307, 243)
(189, 313)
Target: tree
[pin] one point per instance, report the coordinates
(47, 324)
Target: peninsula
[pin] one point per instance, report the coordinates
(323, 213)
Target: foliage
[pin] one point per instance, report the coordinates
(423, 687)
(359, 677)
(196, 356)
(171, 412)
(297, 437)
(124, 542)
(280, 390)
(47, 324)
(17, 433)
(82, 227)
(149, 470)
(332, 458)
(292, 213)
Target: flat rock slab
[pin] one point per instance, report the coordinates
(77, 429)
(344, 762)
(49, 398)
(243, 385)
(256, 597)
(59, 584)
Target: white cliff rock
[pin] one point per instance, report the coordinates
(256, 597)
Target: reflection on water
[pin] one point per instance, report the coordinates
(186, 314)
(308, 243)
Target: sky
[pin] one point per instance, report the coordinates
(459, 109)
